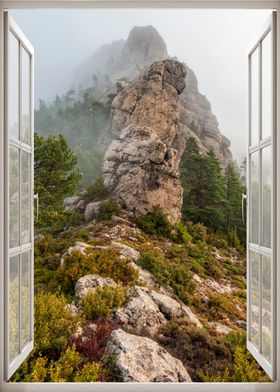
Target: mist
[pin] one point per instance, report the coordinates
(211, 42)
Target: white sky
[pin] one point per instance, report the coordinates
(212, 42)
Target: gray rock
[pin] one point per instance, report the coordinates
(92, 210)
(241, 324)
(126, 251)
(140, 313)
(140, 359)
(220, 328)
(89, 283)
(71, 201)
(74, 311)
(81, 205)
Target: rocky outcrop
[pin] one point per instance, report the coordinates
(141, 167)
(126, 251)
(146, 310)
(140, 359)
(124, 61)
(89, 283)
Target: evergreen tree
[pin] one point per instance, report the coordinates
(56, 174)
(233, 210)
(204, 191)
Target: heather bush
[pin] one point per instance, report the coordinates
(96, 191)
(102, 302)
(108, 208)
(155, 222)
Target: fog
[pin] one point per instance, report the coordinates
(213, 43)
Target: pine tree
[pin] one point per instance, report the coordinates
(204, 192)
(233, 210)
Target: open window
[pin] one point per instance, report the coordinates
(18, 196)
(261, 199)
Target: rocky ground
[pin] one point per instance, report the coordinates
(177, 296)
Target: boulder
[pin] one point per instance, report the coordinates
(71, 201)
(146, 310)
(126, 251)
(140, 314)
(140, 359)
(92, 210)
(89, 283)
(220, 328)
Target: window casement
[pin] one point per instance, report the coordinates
(16, 195)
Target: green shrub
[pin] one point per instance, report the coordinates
(217, 240)
(64, 369)
(96, 191)
(104, 262)
(74, 218)
(233, 239)
(197, 231)
(107, 209)
(89, 373)
(155, 222)
(53, 324)
(181, 234)
(102, 302)
(245, 370)
(170, 273)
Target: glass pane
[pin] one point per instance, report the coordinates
(25, 198)
(255, 97)
(25, 97)
(255, 298)
(266, 179)
(266, 86)
(13, 307)
(13, 83)
(25, 298)
(14, 197)
(254, 198)
(266, 307)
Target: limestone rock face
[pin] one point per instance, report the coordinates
(147, 310)
(140, 359)
(89, 283)
(141, 167)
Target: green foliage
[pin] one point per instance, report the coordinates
(233, 239)
(204, 192)
(89, 373)
(56, 176)
(245, 370)
(102, 302)
(104, 262)
(211, 197)
(233, 211)
(155, 222)
(198, 231)
(63, 370)
(107, 209)
(170, 273)
(53, 324)
(180, 233)
(83, 120)
(96, 191)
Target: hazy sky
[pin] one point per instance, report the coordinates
(213, 43)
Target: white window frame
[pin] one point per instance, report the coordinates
(145, 387)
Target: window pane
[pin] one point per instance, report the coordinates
(255, 97)
(25, 298)
(13, 83)
(254, 198)
(13, 307)
(255, 298)
(25, 96)
(25, 198)
(266, 86)
(266, 180)
(14, 197)
(266, 307)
